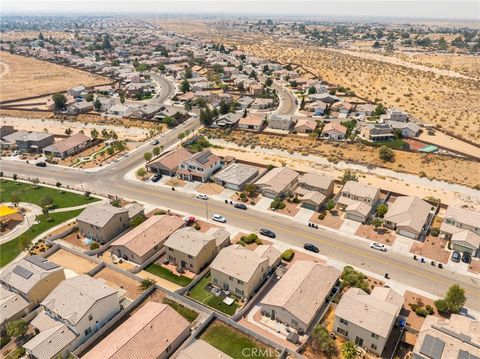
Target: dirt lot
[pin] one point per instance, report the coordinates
(72, 261)
(210, 188)
(30, 77)
(433, 248)
(432, 166)
(333, 219)
(119, 281)
(383, 235)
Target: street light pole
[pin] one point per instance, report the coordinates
(206, 208)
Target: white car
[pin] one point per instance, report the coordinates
(219, 218)
(378, 246)
(202, 196)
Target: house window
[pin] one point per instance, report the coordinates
(90, 317)
(294, 323)
(215, 280)
(190, 257)
(373, 346)
(88, 331)
(343, 321)
(239, 281)
(375, 336)
(170, 249)
(230, 278)
(342, 331)
(239, 291)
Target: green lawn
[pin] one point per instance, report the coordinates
(185, 312)
(199, 293)
(235, 343)
(34, 194)
(165, 273)
(10, 250)
(396, 144)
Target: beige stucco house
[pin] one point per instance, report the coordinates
(299, 295)
(194, 250)
(277, 182)
(239, 270)
(368, 319)
(357, 200)
(103, 222)
(462, 227)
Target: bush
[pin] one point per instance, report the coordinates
(429, 309)
(197, 226)
(321, 216)
(435, 231)
(322, 342)
(288, 255)
(4, 340)
(421, 312)
(94, 245)
(354, 279)
(413, 306)
(442, 305)
(160, 212)
(252, 237)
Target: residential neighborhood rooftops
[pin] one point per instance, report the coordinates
(27, 273)
(10, 303)
(460, 215)
(251, 121)
(100, 214)
(236, 173)
(150, 233)
(200, 349)
(268, 251)
(190, 241)
(441, 338)
(68, 143)
(316, 180)
(238, 262)
(408, 211)
(334, 126)
(172, 159)
(375, 312)
(73, 297)
(278, 179)
(146, 334)
(302, 289)
(48, 343)
(360, 189)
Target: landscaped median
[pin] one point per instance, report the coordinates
(10, 250)
(204, 296)
(167, 274)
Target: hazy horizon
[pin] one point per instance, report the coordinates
(394, 9)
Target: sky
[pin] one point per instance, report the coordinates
(316, 8)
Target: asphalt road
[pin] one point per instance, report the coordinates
(339, 247)
(167, 89)
(287, 104)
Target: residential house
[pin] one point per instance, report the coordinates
(68, 146)
(442, 338)
(155, 330)
(281, 122)
(33, 277)
(406, 129)
(32, 141)
(462, 227)
(245, 102)
(262, 103)
(254, 123)
(13, 305)
(146, 239)
(277, 182)
(305, 125)
(377, 132)
(199, 167)
(6, 130)
(323, 97)
(103, 222)
(236, 175)
(365, 110)
(395, 115)
(194, 250)
(200, 349)
(270, 252)
(318, 107)
(298, 297)
(80, 107)
(409, 216)
(357, 200)
(105, 103)
(76, 91)
(76, 309)
(239, 270)
(314, 190)
(168, 163)
(334, 131)
(228, 120)
(368, 319)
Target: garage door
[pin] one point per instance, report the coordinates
(460, 248)
(407, 234)
(355, 217)
(309, 206)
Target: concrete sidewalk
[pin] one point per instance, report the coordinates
(28, 221)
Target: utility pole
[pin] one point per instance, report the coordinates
(206, 208)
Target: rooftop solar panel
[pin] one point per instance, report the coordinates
(432, 347)
(22, 272)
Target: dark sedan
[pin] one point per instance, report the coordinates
(267, 233)
(310, 247)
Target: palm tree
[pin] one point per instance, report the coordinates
(145, 284)
(349, 350)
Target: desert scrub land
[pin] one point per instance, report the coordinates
(24, 77)
(449, 169)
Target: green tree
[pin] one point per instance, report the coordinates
(156, 151)
(349, 350)
(147, 156)
(136, 221)
(386, 154)
(59, 100)
(145, 284)
(454, 300)
(311, 90)
(161, 68)
(268, 82)
(377, 222)
(141, 172)
(250, 188)
(354, 279)
(330, 204)
(36, 181)
(379, 110)
(322, 342)
(349, 176)
(382, 210)
(185, 86)
(17, 328)
(15, 198)
(68, 131)
(94, 133)
(110, 151)
(89, 97)
(97, 104)
(46, 201)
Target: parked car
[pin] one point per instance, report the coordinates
(267, 233)
(219, 218)
(156, 177)
(310, 247)
(41, 164)
(463, 311)
(155, 142)
(202, 196)
(466, 257)
(456, 256)
(378, 246)
(240, 206)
